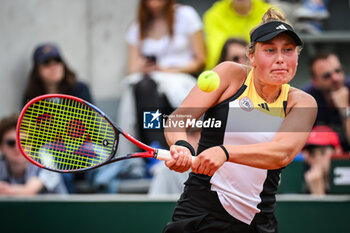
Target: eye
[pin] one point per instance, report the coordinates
(288, 50)
(269, 50)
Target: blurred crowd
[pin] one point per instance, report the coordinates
(169, 45)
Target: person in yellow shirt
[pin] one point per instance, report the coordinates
(230, 18)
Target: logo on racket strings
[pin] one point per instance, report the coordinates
(105, 142)
(151, 120)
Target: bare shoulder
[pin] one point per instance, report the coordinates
(300, 99)
(232, 76)
(229, 69)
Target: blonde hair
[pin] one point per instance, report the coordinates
(270, 15)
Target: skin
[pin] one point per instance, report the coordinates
(322, 66)
(242, 7)
(158, 28)
(17, 164)
(334, 89)
(238, 50)
(274, 64)
(52, 75)
(317, 176)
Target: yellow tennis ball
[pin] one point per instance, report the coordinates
(208, 81)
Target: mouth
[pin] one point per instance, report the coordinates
(279, 71)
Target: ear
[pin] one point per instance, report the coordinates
(252, 59)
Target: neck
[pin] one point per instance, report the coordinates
(269, 93)
(52, 89)
(242, 8)
(158, 16)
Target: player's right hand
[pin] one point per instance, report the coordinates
(182, 159)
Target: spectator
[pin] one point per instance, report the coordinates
(17, 175)
(164, 49)
(321, 145)
(50, 74)
(330, 88)
(163, 32)
(230, 18)
(234, 50)
(162, 39)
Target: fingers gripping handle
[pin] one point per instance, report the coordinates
(165, 155)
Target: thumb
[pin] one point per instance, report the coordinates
(195, 164)
(174, 152)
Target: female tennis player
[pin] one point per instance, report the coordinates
(264, 124)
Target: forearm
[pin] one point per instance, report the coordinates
(135, 60)
(172, 137)
(32, 187)
(193, 67)
(177, 131)
(269, 155)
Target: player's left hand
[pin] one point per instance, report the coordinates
(209, 161)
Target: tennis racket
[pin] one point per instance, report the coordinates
(64, 133)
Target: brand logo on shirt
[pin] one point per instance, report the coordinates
(264, 106)
(246, 104)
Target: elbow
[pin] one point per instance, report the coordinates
(285, 157)
(283, 162)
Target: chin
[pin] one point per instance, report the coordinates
(281, 79)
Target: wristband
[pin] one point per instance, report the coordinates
(226, 153)
(187, 145)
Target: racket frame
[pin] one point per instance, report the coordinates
(148, 153)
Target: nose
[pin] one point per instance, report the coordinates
(335, 76)
(279, 57)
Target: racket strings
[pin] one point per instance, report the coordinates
(64, 134)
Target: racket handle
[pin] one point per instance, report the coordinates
(165, 155)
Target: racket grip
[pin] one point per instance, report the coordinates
(165, 155)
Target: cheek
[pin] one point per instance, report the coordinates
(263, 61)
(60, 71)
(293, 62)
(262, 64)
(42, 72)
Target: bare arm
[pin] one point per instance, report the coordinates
(32, 187)
(138, 63)
(198, 48)
(134, 59)
(275, 154)
(197, 103)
